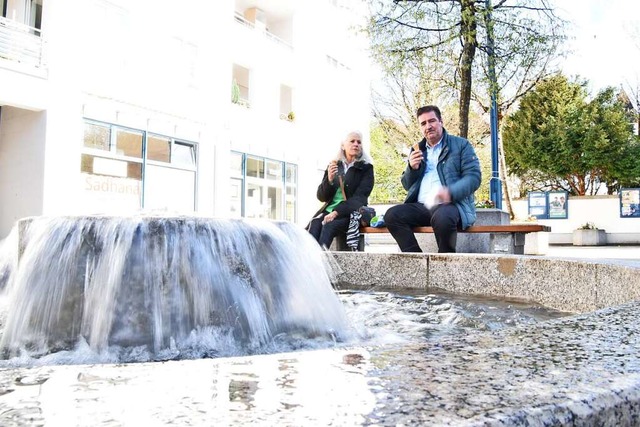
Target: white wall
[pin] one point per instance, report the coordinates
(603, 211)
(22, 151)
(22, 90)
(158, 67)
(328, 102)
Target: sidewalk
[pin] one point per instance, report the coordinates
(627, 255)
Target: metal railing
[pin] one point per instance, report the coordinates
(243, 21)
(21, 43)
(278, 40)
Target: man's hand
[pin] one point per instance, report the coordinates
(443, 195)
(415, 158)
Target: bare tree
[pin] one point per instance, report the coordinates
(449, 38)
(632, 93)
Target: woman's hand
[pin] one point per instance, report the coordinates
(332, 170)
(330, 217)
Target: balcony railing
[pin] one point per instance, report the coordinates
(243, 21)
(21, 43)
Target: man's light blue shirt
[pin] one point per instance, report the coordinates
(430, 180)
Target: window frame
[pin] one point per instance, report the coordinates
(112, 154)
(265, 183)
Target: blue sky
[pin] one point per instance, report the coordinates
(605, 41)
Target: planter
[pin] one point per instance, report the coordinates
(589, 237)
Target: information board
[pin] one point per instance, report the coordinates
(630, 203)
(538, 204)
(557, 204)
(549, 204)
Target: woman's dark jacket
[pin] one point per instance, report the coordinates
(358, 184)
(459, 170)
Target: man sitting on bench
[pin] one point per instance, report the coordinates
(442, 174)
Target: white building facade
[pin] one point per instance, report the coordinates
(230, 108)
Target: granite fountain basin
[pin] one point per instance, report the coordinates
(579, 370)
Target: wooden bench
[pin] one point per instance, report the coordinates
(506, 228)
(504, 238)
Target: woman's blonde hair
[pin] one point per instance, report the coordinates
(363, 155)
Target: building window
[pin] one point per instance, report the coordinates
(28, 12)
(34, 14)
(240, 93)
(237, 185)
(263, 188)
(129, 143)
(183, 154)
(286, 103)
(127, 169)
(159, 149)
(291, 198)
(97, 136)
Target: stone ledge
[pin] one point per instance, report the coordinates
(566, 285)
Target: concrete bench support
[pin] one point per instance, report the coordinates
(495, 239)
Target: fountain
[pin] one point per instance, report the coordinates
(577, 370)
(152, 281)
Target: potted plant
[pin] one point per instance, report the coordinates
(485, 204)
(589, 235)
(235, 92)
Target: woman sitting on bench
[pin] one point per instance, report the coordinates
(345, 187)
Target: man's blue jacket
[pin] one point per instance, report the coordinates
(459, 170)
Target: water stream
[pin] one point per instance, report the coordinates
(79, 290)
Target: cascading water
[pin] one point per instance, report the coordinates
(167, 286)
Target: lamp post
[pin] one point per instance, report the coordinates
(495, 185)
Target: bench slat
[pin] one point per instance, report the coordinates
(506, 228)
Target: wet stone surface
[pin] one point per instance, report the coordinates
(577, 370)
(580, 370)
